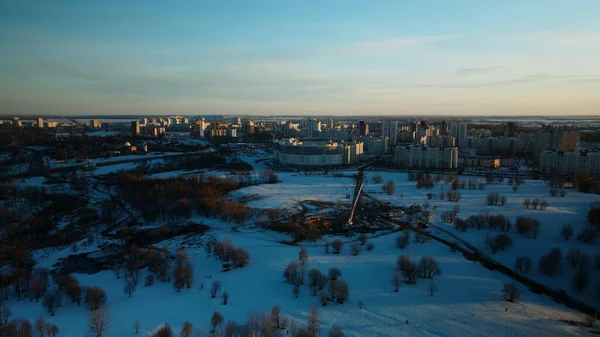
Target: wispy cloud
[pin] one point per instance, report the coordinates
(585, 39)
(478, 70)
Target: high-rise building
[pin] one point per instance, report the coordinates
(557, 139)
(393, 133)
(364, 128)
(510, 130)
(135, 128)
(40, 123)
(444, 127)
(458, 130)
(313, 128)
(426, 157)
(95, 123)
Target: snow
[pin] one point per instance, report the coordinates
(295, 187)
(468, 301)
(572, 209)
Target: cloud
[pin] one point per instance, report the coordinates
(477, 70)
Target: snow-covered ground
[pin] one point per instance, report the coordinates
(468, 302)
(295, 187)
(572, 209)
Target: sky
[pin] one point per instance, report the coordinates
(328, 57)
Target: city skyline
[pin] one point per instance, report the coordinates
(334, 58)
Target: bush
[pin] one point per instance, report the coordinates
(403, 240)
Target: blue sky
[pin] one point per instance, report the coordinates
(459, 57)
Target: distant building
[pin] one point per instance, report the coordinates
(555, 139)
(135, 128)
(364, 128)
(96, 123)
(313, 128)
(198, 128)
(40, 123)
(570, 162)
(417, 156)
(375, 145)
(316, 153)
(393, 133)
(458, 130)
(510, 130)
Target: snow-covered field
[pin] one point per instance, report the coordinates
(295, 187)
(468, 302)
(572, 209)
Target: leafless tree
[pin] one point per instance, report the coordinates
(41, 326)
(362, 238)
(163, 331)
(403, 240)
(183, 273)
(356, 248)
(511, 292)
(336, 331)
(370, 246)
(337, 246)
(323, 297)
(303, 256)
(342, 292)
(543, 204)
(526, 203)
(523, 264)
(216, 320)
(136, 326)
(49, 302)
(296, 290)
(129, 288)
(186, 330)
(313, 322)
(95, 297)
(429, 267)
(432, 287)
(334, 274)
(99, 320)
(573, 256)
(215, 288)
(225, 296)
(52, 330)
(327, 245)
(276, 315)
(582, 274)
(390, 187)
(5, 314)
(566, 232)
(396, 282)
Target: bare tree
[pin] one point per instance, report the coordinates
(303, 256)
(163, 331)
(336, 331)
(225, 296)
(187, 329)
(129, 288)
(49, 302)
(215, 288)
(216, 320)
(566, 232)
(396, 282)
(362, 238)
(41, 326)
(337, 246)
(582, 273)
(52, 330)
(511, 292)
(275, 315)
(573, 256)
(183, 272)
(432, 287)
(403, 240)
(390, 187)
(95, 297)
(99, 320)
(5, 314)
(136, 326)
(342, 292)
(526, 203)
(429, 267)
(356, 248)
(327, 245)
(370, 246)
(296, 290)
(313, 322)
(523, 264)
(323, 297)
(334, 274)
